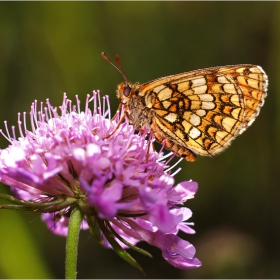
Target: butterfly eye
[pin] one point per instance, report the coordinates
(126, 91)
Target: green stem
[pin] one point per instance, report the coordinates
(72, 239)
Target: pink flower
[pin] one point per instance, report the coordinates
(83, 158)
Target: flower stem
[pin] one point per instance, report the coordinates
(72, 239)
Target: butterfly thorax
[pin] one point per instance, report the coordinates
(135, 105)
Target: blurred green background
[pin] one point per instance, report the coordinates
(47, 48)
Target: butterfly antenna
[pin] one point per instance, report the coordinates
(118, 62)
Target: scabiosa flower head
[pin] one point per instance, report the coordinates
(85, 159)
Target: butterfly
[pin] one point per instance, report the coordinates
(198, 112)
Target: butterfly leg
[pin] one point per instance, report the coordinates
(116, 128)
(119, 123)
(150, 145)
(118, 110)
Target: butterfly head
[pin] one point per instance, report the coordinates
(123, 92)
(126, 92)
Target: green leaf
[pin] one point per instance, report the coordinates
(16, 207)
(54, 205)
(92, 227)
(31, 203)
(116, 246)
(137, 249)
